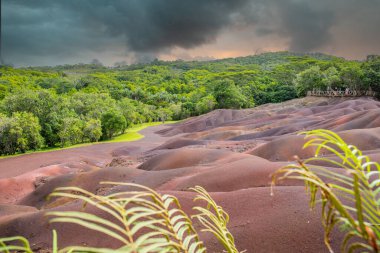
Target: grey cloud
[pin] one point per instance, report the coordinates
(307, 23)
(59, 31)
(54, 27)
(152, 27)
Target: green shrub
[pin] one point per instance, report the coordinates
(113, 123)
(19, 133)
(71, 132)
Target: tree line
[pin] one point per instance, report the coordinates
(352, 75)
(70, 104)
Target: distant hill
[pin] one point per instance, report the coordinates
(265, 60)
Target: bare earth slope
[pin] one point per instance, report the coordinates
(229, 152)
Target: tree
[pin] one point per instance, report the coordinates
(176, 110)
(22, 101)
(187, 108)
(164, 114)
(371, 73)
(51, 127)
(309, 79)
(92, 130)
(91, 105)
(352, 77)
(19, 133)
(8, 144)
(44, 104)
(280, 93)
(71, 131)
(229, 96)
(113, 122)
(331, 77)
(30, 128)
(129, 111)
(147, 112)
(3, 91)
(205, 104)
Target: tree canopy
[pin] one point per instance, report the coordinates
(72, 104)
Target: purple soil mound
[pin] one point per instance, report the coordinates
(231, 153)
(184, 157)
(180, 143)
(207, 121)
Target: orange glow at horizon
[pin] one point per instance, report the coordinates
(213, 53)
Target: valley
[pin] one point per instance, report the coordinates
(231, 153)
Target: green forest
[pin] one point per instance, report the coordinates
(70, 104)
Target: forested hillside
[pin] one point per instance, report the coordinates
(70, 104)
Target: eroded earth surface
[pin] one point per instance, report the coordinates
(231, 153)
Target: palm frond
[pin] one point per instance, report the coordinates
(141, 220)
(21, 244)
(14, 244)
(214, 219)
(349, 197)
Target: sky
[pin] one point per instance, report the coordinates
(56, 32)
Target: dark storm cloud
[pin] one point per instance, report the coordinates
(42, 32)
(154, 25)
(59, 31)
(349, 28)
(307, 23)
(64, 27)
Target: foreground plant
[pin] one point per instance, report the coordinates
(214, 219)
(349, 196)
(141, 220)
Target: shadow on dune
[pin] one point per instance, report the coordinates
(231, 153)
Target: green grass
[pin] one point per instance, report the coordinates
(131, 134)
(48, 149)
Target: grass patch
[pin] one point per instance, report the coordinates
(131, 134)
(49, 149)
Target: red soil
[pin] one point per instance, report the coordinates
(231, 153)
